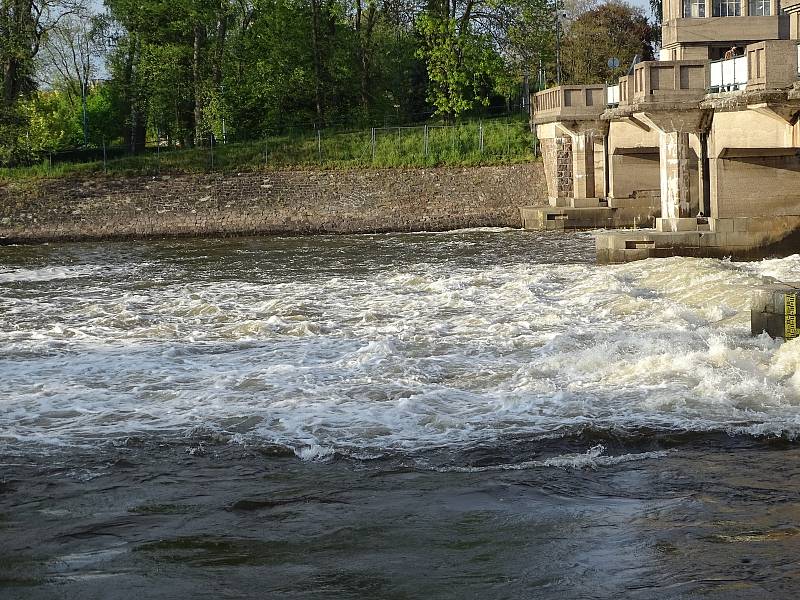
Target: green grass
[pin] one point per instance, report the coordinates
(504, 141)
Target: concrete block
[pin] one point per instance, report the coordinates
(641, 203)
(675, 224)
(585, 202)
(774, 309)
(721, 225)
(742, 239)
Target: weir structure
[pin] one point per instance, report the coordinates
(699, 155)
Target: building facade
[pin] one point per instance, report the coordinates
(700, 154)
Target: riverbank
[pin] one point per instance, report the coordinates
(268, 202)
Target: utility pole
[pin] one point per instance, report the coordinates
(85, 115)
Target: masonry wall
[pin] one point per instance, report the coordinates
(294, 202)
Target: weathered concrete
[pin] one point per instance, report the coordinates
(750, 238)
(294, 202)
(676, 200)
(774, 310)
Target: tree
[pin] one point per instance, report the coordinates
(70, 58)
(615, 29)
(24, 24)
(461, 66)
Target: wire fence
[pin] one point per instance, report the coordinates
(493, 140)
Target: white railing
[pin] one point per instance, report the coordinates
(798, 60)
(612, 94)
(729, 75)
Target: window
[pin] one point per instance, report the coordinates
(726, 8)
(692, 9)
(760, 8)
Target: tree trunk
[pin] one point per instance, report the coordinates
(364, 33)
(128, 87)
(315, 43)
(219, 49)
(9, 78)
(198, 92)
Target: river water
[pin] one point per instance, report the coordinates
(473, 414)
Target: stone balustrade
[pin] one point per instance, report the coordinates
(569, 103)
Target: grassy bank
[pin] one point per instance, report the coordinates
(466, 144)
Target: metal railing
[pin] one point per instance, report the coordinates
(729, 75)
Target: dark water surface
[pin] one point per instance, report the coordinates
(479, 414)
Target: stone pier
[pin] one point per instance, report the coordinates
(675, 175)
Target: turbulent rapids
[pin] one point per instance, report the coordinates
(368, 345)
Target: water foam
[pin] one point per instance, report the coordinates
(371, 344)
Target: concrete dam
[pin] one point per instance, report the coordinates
(695, 156)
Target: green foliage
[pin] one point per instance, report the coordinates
(615, 29)
(504, 141)
(179, 69)
(462, 66)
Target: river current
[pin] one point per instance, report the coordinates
(458, 362)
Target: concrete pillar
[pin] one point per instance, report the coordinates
(583, 165)
(675, 157)
(774, 309)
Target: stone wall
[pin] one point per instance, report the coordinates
(293, 202)
(557, 161)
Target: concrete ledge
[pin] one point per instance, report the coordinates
(625, 246)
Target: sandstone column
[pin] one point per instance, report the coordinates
(583, 165)
(675, 176)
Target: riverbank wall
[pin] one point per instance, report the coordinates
(268, 202)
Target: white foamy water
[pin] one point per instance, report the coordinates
(365, 344)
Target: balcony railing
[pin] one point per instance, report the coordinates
(729, 75)
(772, 64)
(612, 94)
(667, 81)
(569, 102)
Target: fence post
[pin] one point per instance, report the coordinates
(425, 138)
(50, 156)
(105, 161)
(373, 144)
(480, 137)
(508, 141)
(158, 155)
(211, 139)
(266, 151)
(319, 145)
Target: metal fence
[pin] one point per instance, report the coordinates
(498, 138)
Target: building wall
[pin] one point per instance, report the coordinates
(634, 161)
(755, 186)
(295, 202)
